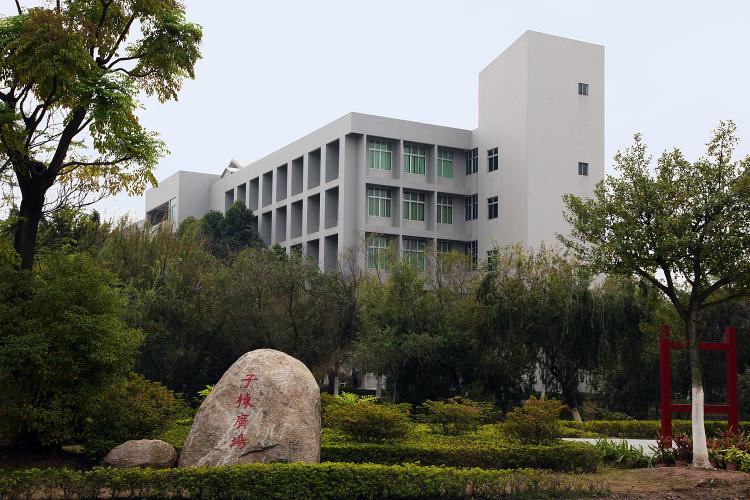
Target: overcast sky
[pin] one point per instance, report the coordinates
(273, 71)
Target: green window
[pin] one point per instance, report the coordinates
(413, 252)
(413, 206)
(377, 252)
(444, 209)
(444, 247)
(414, 159)
(445, 163)
(379, 153)
(378, 202)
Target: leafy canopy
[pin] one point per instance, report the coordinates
(684, 227)
(70, 77)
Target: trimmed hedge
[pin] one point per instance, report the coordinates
(563, 456)
(644, 429)
(290, 481)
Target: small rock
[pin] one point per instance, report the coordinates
(265, 408)
(142, 453)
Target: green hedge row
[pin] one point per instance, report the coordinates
(290, 481)
(644, 429)
(564, 456)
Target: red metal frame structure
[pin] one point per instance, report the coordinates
(730, 408)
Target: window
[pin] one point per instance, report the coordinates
(583, 168)
(445, 163)
(377, 252)
(444, 247)
(413, 252)
(378, 202)
(414, 159)
(444, 209)
(413, 205)
(471, 251)
(492, 160)
(379, 153)
(172, 215)
(471, 207)
(583, 89)
(472, 161)
(492, 207)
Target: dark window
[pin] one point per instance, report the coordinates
(471, 207)
(583, 168)
(471, 251)
(472, 161)
(492, 207)
(492, 160)
(583, 88)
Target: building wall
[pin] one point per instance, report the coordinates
(312, 194)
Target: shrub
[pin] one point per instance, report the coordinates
(283, 481)
(623, 454)
(454, 416)
(563, 456)
(535, 421)
(134, 408)
(63, 341)
(367, 421)
(646, 429)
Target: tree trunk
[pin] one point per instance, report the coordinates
(576, 414)
(30, 214)
(700, 449)
(378, 386)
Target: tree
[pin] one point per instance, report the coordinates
(63, 342)
(229, 233)
(545, 302)
(70, 76)
(684, 227)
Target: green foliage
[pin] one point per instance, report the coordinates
(622, 454)
(368, 421)
(645, 429)
(176, 433)
(62, 344)
(227, 234)
(134, 408)
(535, 421)
(284, 481)
(455, 415)
(563, 456)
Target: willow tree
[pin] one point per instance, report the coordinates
(682, 226)
(70, 76)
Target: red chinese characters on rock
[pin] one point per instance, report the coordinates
(243, 402)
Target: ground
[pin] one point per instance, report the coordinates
(673, 483)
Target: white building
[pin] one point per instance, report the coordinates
(540, 134)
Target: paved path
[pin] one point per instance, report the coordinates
(644, 444)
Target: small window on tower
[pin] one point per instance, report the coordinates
(583, 88)
(583, 168)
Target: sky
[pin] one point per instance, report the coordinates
(275, 70)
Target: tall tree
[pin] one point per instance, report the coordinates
(70, 76)
(684, 227)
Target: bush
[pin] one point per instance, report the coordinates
(564, 456)
(535, 421)
(63, 341)
(367, 421)
(283, 481)
(646, 429)
(623, 454)
(454, 416)
(134, 408)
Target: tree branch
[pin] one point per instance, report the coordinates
(100, 163)
(726, 298)
(119, 40)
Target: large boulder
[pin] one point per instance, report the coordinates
(265, 408)
(142, 453)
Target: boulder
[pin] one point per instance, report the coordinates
(265, 408)
(142, 453)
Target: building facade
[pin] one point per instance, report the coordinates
(410, 185)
